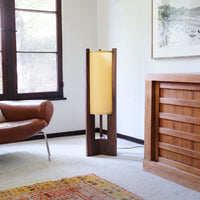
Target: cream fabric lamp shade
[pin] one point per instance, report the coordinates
(101, 82)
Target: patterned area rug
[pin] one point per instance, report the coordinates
(80, 187)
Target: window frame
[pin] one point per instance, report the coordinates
(9, 56)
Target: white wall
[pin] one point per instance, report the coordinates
(107, 24)
(126, 25)
(79, 24)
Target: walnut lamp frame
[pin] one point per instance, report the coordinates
(101, 100)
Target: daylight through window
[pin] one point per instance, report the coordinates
(33, 50)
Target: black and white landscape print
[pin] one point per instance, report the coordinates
(178, 23)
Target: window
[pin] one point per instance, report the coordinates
(30, 49)
(1, 81)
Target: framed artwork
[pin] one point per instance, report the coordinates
(175, 28)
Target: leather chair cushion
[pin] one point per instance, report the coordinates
(23, 110)
(19, 130)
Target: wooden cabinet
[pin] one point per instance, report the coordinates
(172, 127)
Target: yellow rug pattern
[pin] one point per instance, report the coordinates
(88, 187)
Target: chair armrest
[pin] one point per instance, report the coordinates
(28, 109)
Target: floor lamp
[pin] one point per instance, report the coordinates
(101, 100)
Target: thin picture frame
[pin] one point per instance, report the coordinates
(175, 28)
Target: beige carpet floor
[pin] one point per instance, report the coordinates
(25, 163)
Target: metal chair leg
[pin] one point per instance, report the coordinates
(47, 145)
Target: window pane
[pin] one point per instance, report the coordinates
(0, 41)
(0, 32)
(36, 31)
(36, 4)
(1, 76)
(36, 72)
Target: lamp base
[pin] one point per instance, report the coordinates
(99, 146)
(102, 146)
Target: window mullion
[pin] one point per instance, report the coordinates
(4, 75)
(10, 49)
(59, 47)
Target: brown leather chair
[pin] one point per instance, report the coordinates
(24, 119)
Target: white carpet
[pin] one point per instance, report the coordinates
(26, 163)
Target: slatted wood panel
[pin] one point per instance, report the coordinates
(179, 123)
(172, 127)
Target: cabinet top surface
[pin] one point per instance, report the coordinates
(186, 78)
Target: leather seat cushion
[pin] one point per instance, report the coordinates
(20, 130)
